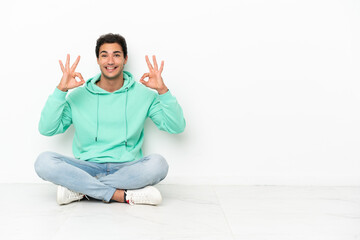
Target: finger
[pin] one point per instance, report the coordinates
(144, 82)
(67, 67)
(73, 67)
(62, 66)
(161, 66)
(80, 83)
(148, 63)
(144, 76)
(155, 63)
(77, 74)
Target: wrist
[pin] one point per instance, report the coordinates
(61, 88)
(162, 90)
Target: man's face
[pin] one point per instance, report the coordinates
(111, 60)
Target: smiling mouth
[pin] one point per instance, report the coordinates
(110, 69)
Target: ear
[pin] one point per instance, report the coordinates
(97, 60)
(126, 60)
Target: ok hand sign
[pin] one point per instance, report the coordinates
(68, 80)
(155, 80)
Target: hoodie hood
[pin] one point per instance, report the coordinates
(91, 86)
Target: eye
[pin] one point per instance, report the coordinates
(103, 55)
(117, 55)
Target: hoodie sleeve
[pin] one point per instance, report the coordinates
(56, 114)
(167, 114)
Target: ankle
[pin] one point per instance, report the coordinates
(119, 196)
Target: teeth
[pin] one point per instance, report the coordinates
(110, 68)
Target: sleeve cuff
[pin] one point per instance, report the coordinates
(58, 94)
(166, 96)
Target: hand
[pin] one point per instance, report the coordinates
(155, 80)
(68, 80)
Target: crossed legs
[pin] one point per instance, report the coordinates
(103, 181)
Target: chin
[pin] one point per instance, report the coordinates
(113, 77)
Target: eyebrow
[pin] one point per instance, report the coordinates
(107, 52)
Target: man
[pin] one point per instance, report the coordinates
(108, 114)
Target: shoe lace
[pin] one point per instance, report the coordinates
(139, 197)
(72, 195)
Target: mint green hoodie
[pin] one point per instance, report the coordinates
(109, 127)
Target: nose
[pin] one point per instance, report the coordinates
(110, 60)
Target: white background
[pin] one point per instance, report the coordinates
(270, 89)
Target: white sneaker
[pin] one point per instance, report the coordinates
(147, 195)
(65, 196)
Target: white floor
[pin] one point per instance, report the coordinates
(29, 211)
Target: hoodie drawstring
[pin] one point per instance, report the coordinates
(97, 118)
(126, 130)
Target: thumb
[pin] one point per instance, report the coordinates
(145, 75)
(144, 82)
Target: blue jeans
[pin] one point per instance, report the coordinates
(100, 180)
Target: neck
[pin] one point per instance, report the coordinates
(110, 85)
